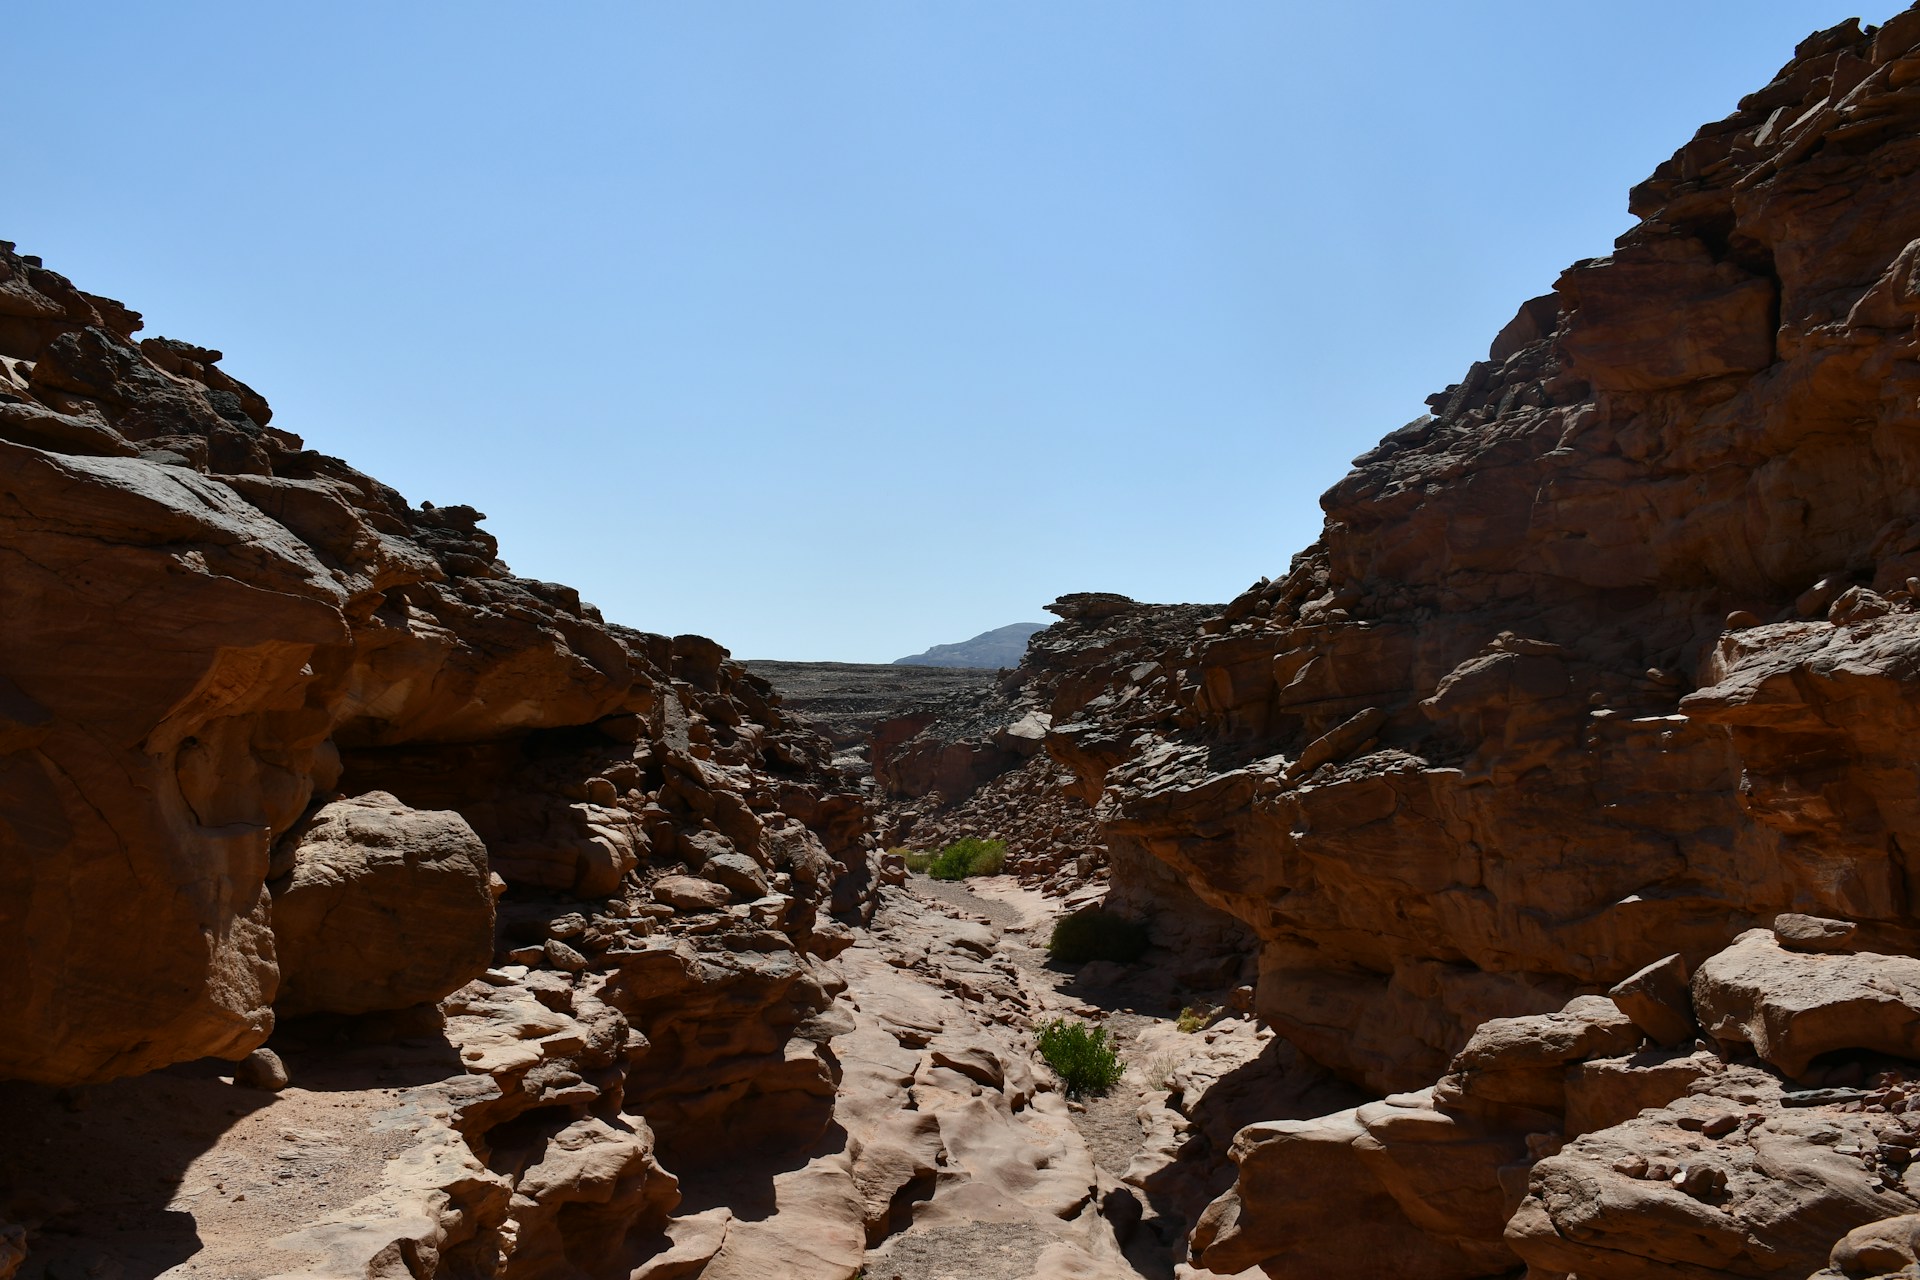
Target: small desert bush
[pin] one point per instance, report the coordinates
(968, 857)
(1159, 1069)
(1081, 1056)
(1095, 935)
(1192, 1020)
(916, 862)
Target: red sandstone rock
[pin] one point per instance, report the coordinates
(1492, 740)
(1767, 1197)
(690, 893)
(382, 907)
(595, 1187)
(1811, 933)
(1609, 659)
(1658, 1000)
(208, 632)
(1791, 1007)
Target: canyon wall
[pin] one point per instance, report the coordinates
(213, 638)
(1612, 654)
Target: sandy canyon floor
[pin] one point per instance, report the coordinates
(996, 1173)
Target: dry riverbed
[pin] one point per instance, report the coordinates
(953, 1154)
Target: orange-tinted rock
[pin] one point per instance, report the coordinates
(1812, 933)
(1679, 1192)
(595, 1187)
(208, 631)
(382, 908)
(1658, 1000)
(1435, 1214)
(1792, 1007)
(1609, 658)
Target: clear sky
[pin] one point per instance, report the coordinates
(835, 330)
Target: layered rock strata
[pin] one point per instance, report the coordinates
(283, 754)
(208, 631)
(1607, 657)
(843, 701)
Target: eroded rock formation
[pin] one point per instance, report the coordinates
(1606, 658)
(1602, 663)
(207, 629)
(279, 750)
(1562, 790)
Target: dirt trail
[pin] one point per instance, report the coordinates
(1139, 1007)
(226, 1176)
(954, 1156)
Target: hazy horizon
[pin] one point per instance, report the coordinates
(843, 332)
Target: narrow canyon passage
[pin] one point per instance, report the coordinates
(952, 1155)
(1196, 1070)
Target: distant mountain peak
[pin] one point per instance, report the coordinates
(1001, 647)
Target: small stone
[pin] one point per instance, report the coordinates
(1658, 1001)
(1814, 933)
(261, 1069)
(1815, 599)
(570, 925)
(563, 957)
(1701, 1180)
(1858, 604)
(737, 872)
(691, 893)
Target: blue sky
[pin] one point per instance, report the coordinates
(836, 330)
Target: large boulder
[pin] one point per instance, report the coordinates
(1793, 1006)
(1408, 1182)
(383, 907)
(1735, 1179)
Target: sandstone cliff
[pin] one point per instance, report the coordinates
(1603, 663)
(1611, 654)
(208, 631)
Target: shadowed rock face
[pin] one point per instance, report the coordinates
(1610, 657)
(408, 894)
(208, 630)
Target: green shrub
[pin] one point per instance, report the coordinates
(1192, 1020)
(1081, 1056)
(916, 861)
(969, 857)
(1096, 935)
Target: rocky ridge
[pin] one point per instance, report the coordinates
(997, 649)
(1595, 680)
(972, 764)
(1606, 657)
(284, 756)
